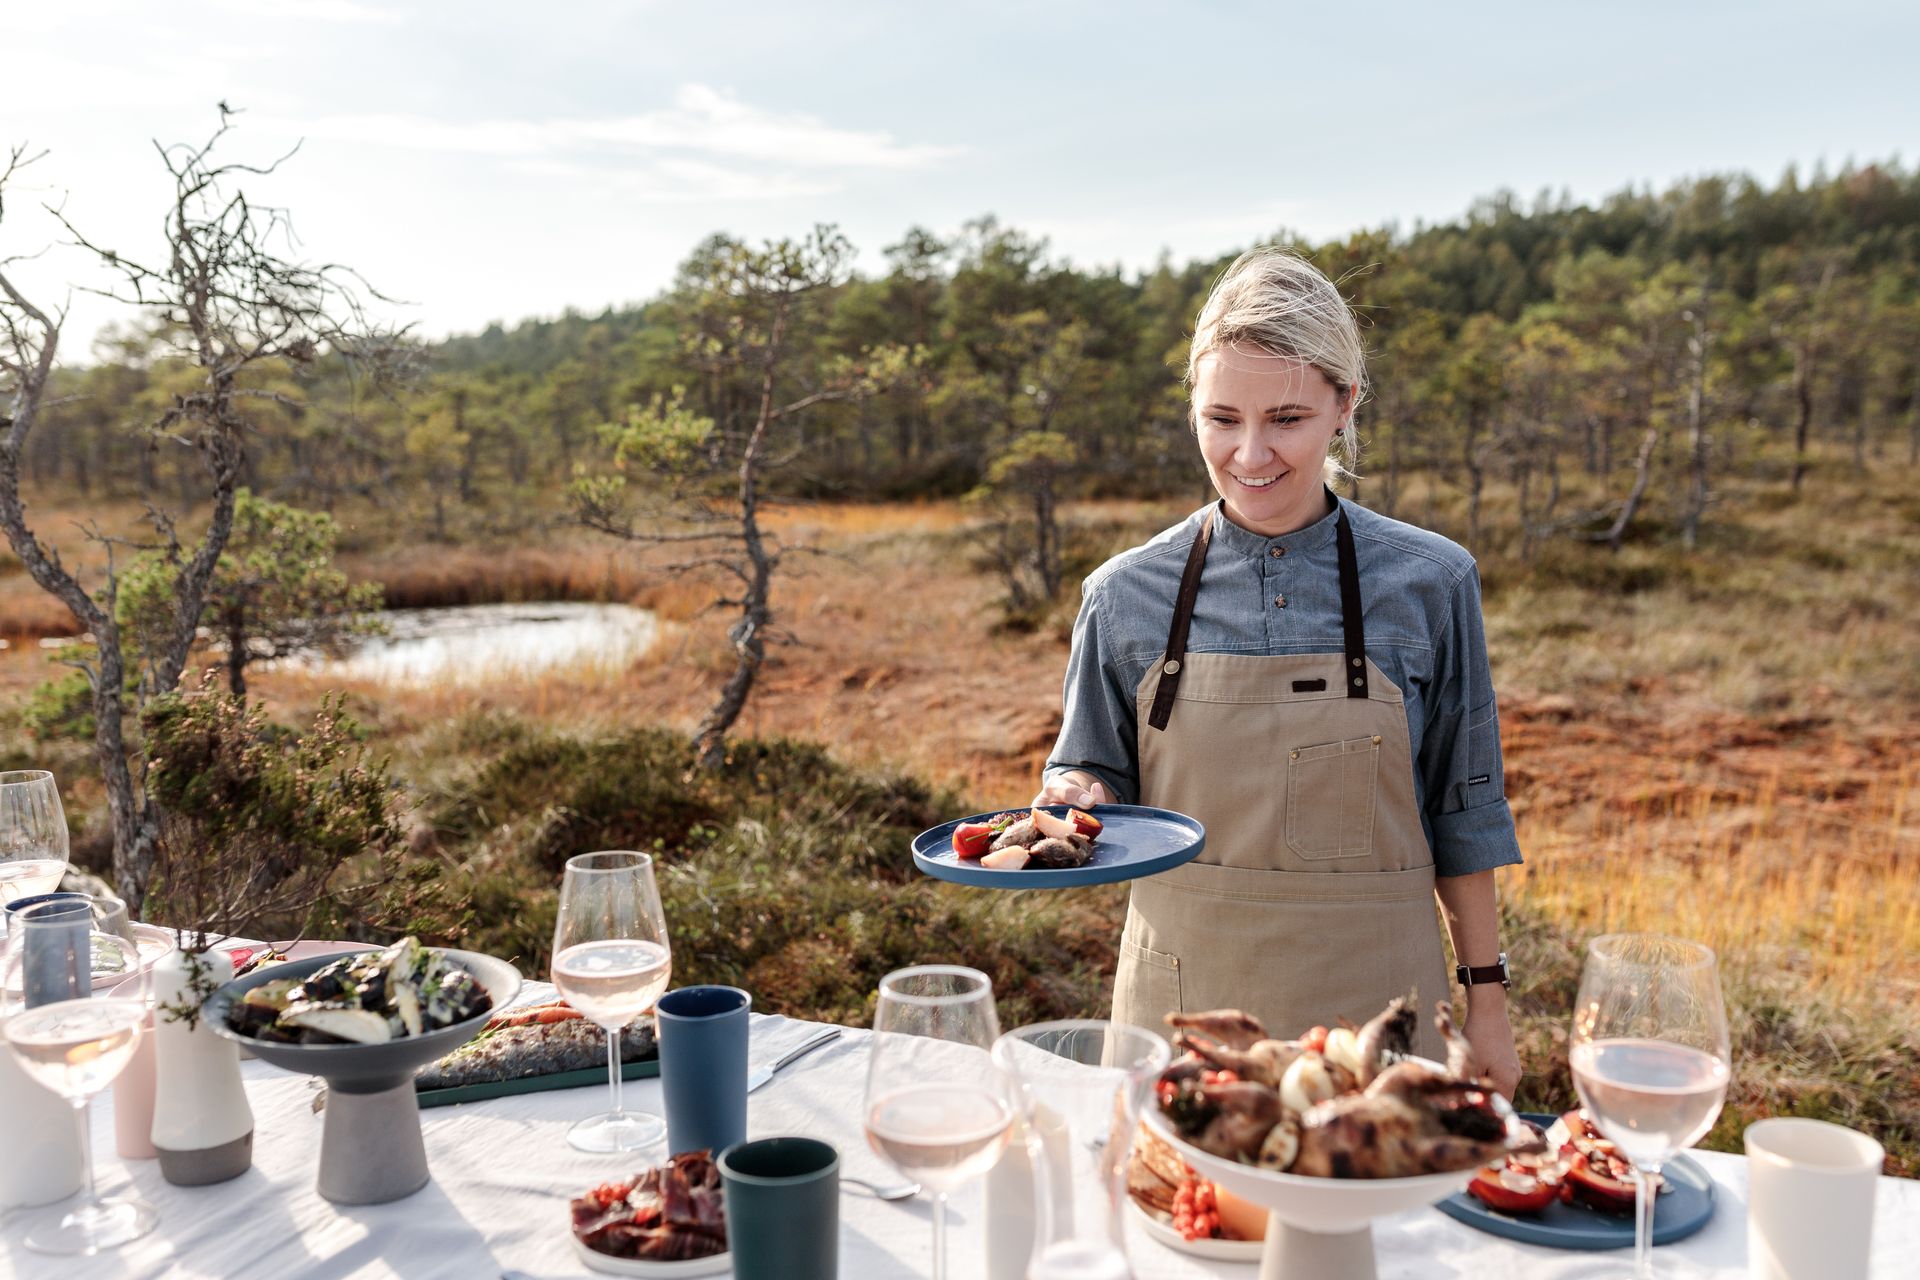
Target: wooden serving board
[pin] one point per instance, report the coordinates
(642, 1069)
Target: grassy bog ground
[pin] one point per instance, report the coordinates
(1724, 745)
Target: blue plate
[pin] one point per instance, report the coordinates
(1135, 840)
(1677, 1214)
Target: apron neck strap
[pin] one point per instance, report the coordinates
(1352, 613)
(1176, 654)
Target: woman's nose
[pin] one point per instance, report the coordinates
(1255, 451)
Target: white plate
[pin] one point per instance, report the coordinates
(1217, 1250)
(712, 1265)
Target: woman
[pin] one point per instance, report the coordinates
(1309, 679)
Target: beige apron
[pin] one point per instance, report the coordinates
(1313, 900)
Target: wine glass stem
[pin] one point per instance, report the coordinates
(613, 1069)
(939, 1235)
(86, 1153)
(1643, 1193)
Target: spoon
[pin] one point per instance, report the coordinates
(895, 1191)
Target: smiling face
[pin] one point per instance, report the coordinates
(1265, 423)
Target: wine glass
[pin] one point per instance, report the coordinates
(33, 834)
(936, 1108)
(611, 960)
(75, 1044)
(1649, 1055)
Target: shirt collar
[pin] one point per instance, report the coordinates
(1255, 546)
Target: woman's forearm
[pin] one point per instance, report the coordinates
(1471, 907)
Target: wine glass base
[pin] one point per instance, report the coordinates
(616, 1132)
(91, 1228)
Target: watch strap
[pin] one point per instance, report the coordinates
(1475, 975)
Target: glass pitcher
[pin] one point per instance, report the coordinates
(1080, 1085)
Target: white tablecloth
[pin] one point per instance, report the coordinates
(502, 1175)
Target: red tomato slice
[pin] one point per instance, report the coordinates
(970, 839)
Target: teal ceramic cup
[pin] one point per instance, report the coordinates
(783, 1209)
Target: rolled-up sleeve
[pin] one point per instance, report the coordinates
(1097, 731)
(1462, 776)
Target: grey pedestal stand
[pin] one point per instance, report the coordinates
(371, 1150)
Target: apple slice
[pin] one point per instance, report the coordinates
(1059, 828)
(1085, 823)
(1011, 858)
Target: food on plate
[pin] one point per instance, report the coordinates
(248, 960)
(369, 998)
(1029, 838)
(1578, 1166)
(1334, 1106)
(1163, 1185)
(535, 1040)
(667, 1214)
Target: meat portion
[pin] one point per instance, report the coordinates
(1231, 1027)
(668, 1214)
(1022, 833)
(1054, 853)
(1410, 1120)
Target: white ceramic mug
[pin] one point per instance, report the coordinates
(1810, 1196)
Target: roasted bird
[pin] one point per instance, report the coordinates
(1348, 1109)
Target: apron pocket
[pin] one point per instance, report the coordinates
(1146, 986)
(1331, 790)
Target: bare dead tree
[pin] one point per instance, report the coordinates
(234, 305)
(752, 319)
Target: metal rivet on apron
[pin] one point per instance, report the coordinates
(1356, 680)
(1376, 739)
(1280, 601)
(1172, 667)
(1356, 662)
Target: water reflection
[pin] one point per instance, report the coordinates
(485, 643)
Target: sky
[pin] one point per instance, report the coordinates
(486, 161)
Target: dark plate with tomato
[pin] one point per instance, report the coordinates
(1677, 1213)
(1133, 840)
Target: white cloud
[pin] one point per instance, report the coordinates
(702, 120)
(385, 15)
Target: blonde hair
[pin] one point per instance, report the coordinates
(1275, 300)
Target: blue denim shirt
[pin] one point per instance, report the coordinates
(1421, 593)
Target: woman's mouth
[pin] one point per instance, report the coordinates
(1256, 482)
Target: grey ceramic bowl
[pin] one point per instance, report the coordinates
(370, 1149)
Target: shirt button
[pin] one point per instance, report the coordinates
(1276, 552)
(1280, 602)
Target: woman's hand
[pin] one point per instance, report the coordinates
(1075, 787)
(1491, 1036)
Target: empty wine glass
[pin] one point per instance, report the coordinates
(936, 1109)
(74, 1044)
(611, 960)
(33, 834)
(1649, 1055)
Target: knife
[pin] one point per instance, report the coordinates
(764, 1074)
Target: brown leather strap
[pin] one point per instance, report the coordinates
(1351, 612)
(1176, 653)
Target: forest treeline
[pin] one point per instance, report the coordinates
(1599, 364)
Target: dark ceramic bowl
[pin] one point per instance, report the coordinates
(370, 1150)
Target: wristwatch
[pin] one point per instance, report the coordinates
(1468, 977)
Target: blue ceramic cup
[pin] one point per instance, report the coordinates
(18, 905)
(56, 952)
(783, 1209)
(703, 1066)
